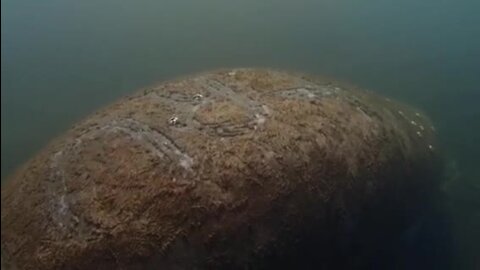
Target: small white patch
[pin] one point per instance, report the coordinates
(421, 127)
(197, 97)
(173, 121)
(413, 123)
(260, 119)
(419, 134)
(430, 147)
(417, 114)
(232, 73)
(400, 112)
(186, 162)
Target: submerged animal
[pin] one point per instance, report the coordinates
(230, 169)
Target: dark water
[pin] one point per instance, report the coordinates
(64, 59)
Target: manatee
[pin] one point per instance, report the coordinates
(229, 169)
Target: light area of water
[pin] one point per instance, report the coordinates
(61, 60)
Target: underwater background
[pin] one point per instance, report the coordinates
(61, 60)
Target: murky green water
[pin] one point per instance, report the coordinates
(63, 59)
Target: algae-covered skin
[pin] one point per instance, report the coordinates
(231, 169)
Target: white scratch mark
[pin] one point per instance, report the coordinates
(63, 207)
(306, 92)
(364, 114)
(266, 110)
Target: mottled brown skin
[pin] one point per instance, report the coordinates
(229, 169)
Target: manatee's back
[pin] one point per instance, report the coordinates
(228, 169)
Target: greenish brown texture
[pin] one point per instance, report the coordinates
(228, 169)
